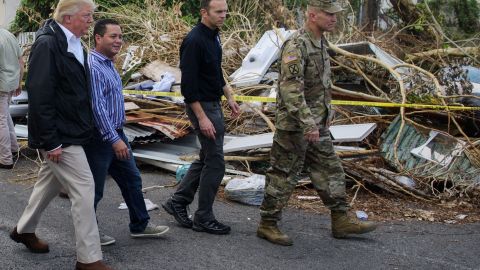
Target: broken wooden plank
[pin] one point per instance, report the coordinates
(157, 68)
(159, 118)
(191, 158)
(248, 142)
(169, 130)
(131, 119)
(129, 106)
(351, 133)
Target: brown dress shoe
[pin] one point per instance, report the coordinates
(30, 240)
(98, 265)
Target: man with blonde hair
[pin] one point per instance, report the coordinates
(60, 123)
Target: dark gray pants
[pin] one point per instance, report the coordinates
(206, 173)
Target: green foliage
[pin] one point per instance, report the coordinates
(457, 15)
(467, 12)
(295, 3)
(110, 3)
(189, 7)
(422, 98)
(355, 4)
(31, 14)
(420, 23)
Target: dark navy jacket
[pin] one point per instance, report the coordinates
(59, 107)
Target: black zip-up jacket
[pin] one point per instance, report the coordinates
(59, 107)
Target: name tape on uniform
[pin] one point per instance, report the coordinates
(334, 102)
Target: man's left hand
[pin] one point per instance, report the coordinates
(54, 155)
(234, 107)
(121, 150)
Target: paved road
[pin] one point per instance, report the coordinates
(406, 245)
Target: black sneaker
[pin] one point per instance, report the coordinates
(179, 212)
(212, 226)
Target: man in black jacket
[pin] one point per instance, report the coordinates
(60, 122)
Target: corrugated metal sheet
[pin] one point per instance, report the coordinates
(169, 130)
(137, 132)
(461, 170)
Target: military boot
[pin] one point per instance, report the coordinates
(342, 225)
(267, 229)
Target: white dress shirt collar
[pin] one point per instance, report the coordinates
(74, 44)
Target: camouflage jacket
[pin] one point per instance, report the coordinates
(304, 95)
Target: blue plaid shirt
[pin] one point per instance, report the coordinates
(107, 98)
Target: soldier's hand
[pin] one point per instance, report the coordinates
(312, 136)
(54, 155)
(121, 150)
(207, 128)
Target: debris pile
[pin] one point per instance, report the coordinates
(400, 126)
(424, 153)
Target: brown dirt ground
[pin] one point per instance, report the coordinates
(385, 207)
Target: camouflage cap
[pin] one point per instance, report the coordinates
(330, 6)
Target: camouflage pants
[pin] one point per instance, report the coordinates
(289, 154)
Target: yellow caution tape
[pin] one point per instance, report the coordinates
(334, 102)
(152, 93)
(175, 94)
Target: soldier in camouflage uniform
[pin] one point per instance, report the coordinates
(302, 136)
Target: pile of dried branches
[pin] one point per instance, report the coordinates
(160, 31)
(157, 29)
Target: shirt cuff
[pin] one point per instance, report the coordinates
(113, 139)
(60, 146)
(310, 126)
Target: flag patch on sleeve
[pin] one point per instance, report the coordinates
(289, 58)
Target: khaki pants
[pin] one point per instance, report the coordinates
(73, 173)
(8, 139)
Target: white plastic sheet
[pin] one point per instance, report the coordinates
(248, 190)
